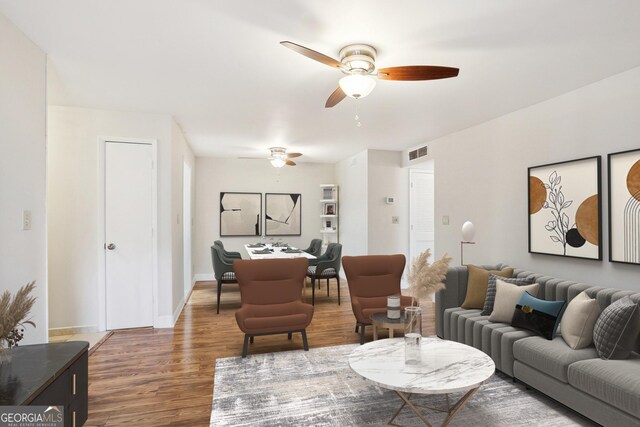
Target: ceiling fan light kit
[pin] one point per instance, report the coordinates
(278, 163)
(357, 85)
(279, 157)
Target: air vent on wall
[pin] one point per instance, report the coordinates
(420, 152)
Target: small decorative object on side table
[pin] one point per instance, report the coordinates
(393, 307)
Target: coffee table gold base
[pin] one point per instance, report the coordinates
(451, 410)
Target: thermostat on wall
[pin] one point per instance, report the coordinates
(390, 200)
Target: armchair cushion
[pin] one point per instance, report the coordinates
(366, 306)
(263, 319)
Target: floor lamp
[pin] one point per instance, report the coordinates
(468, 231)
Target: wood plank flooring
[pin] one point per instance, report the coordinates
(164, 377)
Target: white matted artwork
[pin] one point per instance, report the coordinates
(624, 206)
(240, 214)
(564, 209)
(283, 214)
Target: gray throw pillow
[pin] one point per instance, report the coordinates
(490, 299)
(616, 329)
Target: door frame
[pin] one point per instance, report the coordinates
(101, 193)
(187, 262)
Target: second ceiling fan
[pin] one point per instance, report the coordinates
(358, 62)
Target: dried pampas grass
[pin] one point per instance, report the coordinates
(426, 279)
(13, 314)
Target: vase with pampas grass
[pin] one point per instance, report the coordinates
(424, 280)
(14, 312)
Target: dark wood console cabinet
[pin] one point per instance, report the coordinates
(49, 374)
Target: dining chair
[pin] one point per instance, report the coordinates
(371, 279)
(222, 270)
(327, 267)
(271, 298)
(228, 254)
(315, 248)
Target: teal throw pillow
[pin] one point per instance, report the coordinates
(537, 315)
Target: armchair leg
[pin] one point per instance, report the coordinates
(244, 347)
(219, 290)
(313, 291)
(305, 343)
(327, 287)
(356, 327)
(289, 335)
(338, 280)
(251, 339)
(362, 334)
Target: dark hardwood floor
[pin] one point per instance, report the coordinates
(164, 377)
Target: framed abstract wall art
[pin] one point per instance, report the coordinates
(624, 206)
(240, 214)
(283, 214)
(565, 209)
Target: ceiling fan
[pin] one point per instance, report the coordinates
(358, 62)
(279, 157)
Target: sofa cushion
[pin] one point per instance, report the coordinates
(616, 382)
(550, 357)
(507, 296)
(491, 290)
(616, 329)
(477, 285)
(578, 321)
(537, 315)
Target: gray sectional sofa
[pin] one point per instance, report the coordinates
(606, 391)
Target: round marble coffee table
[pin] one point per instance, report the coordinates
(445, 367)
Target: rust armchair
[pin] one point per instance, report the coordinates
(371, 280)
(271, 298)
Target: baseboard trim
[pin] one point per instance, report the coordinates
(204, 277)
(72, 330)
(165, 321)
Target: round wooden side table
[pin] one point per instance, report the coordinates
(380, 320)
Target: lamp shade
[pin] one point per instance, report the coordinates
(468, 231)
(277, 162)
(357, 85)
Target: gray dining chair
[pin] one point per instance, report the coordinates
(228, 254)
(327, 267)
(315, 248)
(222, 270)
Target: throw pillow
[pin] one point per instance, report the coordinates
(616, 329)
(491, 291)
(578, 321)
(477, 285)
(537, 315)
(507, 296)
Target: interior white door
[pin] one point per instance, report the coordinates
(421, 211)
(128, 235)
(186, 227)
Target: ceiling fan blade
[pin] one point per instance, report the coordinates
(293, 155)
(417, 72)
(337, 96)
(317, 56)
(290, 162)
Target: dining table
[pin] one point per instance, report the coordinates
(271, 251)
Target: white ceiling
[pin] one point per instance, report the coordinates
(218, 68)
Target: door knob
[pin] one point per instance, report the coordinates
(111, 246)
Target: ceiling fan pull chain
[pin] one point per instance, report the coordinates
(357, 117)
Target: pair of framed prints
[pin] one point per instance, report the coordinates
(565, 203)
(241, 214)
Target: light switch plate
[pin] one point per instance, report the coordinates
(26, 219)
(445, 220)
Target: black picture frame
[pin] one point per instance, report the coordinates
(283, 214)
(619, 177)
(579, 227)
(236, 202)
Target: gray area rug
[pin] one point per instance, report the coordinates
(318, 388)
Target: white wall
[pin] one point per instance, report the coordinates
(23, 171)
(387, 177)
(74, 244)
(180, 153)
(481, 175)
(352, 179)
(214, 175)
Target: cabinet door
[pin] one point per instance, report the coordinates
(79, 391)
(56, 394)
